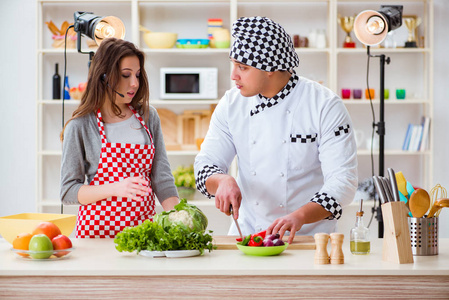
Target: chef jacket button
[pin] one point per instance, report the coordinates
(280, 205)
(257, 203)
(284, 141)
(282, 174)
(253, 173)
(253, 142)
(287, 111)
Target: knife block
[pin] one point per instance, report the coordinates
(396, 245)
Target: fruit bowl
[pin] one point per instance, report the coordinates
(13, 225)
(43, 255)
(262, 251)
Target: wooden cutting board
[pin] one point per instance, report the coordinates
(302, 242)
(169, 126)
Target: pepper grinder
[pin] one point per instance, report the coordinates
(337, 256)
(321, 255)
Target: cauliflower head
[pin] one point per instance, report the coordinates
(181, 216)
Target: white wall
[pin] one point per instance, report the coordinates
(18, 113)
(18, 98)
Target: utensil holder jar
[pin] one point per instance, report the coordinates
(424, 236)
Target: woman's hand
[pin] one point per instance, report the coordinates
(132, 187)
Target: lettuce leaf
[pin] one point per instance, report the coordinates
(153, 237)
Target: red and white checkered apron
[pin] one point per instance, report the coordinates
(107, 217)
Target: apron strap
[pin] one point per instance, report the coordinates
(101, 128)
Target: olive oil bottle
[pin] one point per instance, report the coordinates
(359, 235)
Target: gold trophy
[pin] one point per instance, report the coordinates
(347, 24)
(411, 23)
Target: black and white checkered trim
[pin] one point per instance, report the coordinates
(262, 44)
(270, 102)
(303, 138)
(341, 130)
(329, 204)
(202, 176)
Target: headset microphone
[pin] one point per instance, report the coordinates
(103, 78)
(121, 95)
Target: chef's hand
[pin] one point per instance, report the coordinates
(226, 192)
(291, 222)
(310, 213)
(133, 188)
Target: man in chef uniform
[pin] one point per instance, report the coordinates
(293, 138)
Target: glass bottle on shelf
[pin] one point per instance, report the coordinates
(359, 235)
(56, 84)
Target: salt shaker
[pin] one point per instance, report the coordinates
(337, 256)
(321, 255)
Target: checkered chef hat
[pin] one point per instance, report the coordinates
(263, 44)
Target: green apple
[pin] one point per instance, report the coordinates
(40, 242)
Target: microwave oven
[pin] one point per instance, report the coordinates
(189, 83)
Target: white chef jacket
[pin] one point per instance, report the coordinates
(299, 150)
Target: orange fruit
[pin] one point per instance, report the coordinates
(47, 228)
(21, 242)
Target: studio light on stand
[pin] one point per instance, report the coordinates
(371, 28)
(96, 28)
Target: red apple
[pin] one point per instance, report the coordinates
(61, 242)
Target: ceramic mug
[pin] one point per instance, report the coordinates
(369, 92)
(345, 93)
(400, 94)
(357, 93)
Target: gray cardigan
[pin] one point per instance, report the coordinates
(81, 154)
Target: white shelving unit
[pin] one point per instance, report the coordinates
(334, 66)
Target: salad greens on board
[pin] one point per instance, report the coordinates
(184, 230)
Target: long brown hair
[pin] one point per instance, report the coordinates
(104, 70)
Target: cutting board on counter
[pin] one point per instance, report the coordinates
(301, 242)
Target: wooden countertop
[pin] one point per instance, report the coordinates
(98, 257)
(96, 270)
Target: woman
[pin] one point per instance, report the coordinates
(114, 141)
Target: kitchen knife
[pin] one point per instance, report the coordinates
(394, 185)
(387, 188)
(235, 221)
(380, 190)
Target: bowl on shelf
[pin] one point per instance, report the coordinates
(13, 225)
(192, 43)
(160, 40)
(222, 44)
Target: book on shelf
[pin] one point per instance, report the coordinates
(417, 136)
(408, 136)
(425, 137)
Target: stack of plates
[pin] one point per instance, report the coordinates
(192, 43)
